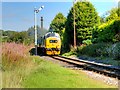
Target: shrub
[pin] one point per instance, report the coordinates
(114, 51)
(87, 42)
(107, 32)
(79, 48)
(101, 50)
(70, 53)
(94, 50)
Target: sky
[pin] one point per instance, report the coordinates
(19, 16)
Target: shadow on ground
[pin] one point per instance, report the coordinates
(39, 51)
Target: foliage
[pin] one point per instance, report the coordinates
(71, 52)
(58, 23)
(18, 37)
(114, 51)
(102, 18)
(94, 50)
(87, 42)
(79, 48)
(107, 32)
(112, 14)
(101, 50)
(25, 37)
(86, 19)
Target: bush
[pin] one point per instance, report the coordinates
(87, 42)
(107, 32)
(101, 50)
(95, 50)
(114, 51)
(69, 53)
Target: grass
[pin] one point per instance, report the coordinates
(16, 64)
(20, 70)
(50, 75)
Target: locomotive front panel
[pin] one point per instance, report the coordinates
(53, 46)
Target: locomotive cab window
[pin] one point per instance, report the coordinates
(53, 41)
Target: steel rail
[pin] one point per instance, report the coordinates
(109, 71)
(93, 63)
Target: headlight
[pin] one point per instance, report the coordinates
(48, 49)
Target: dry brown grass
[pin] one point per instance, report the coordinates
(16, 64)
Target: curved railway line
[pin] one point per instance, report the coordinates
(92, 66)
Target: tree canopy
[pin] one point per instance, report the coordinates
(25, 37)
(58, 23)
(86, 18)
(109, 31)
(113, 14)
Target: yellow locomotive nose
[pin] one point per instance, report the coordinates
(51, 43)
(53, 46)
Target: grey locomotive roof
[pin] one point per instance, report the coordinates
(52, 34)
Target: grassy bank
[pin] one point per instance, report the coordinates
(49, 75)
(20, 70)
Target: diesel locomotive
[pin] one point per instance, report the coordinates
(51, 43)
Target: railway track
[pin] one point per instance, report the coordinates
(91, 66)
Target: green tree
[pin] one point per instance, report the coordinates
(86, 18)
(58, 23)
(109, 31)
(25, 37)
(8, 36)
(18, 37)
(113, 14)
